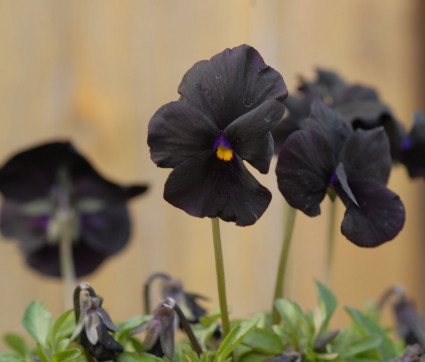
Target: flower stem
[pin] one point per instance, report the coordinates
(188, 330)
(280, 280)
(331, 242)
(219, 264)
(67, 268)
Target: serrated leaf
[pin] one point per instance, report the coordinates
(16, 343)
(37, 320)
(264, 341)
(144, 357)
(362, 345)
(235, 337)
(66, 356)
(327, 304)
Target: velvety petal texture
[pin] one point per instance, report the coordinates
(40, 183)
(378, 217)
(304, 169)
(227, 107)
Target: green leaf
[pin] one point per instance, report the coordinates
(370, 327)
(41, 353)
(287, 314)
(66, 356)
(134, 323)
(264, 341)
(327, 304)
(63, 327)
(362, 345)
(145, 357)
(37, 320)
(255, 357)
(10, 357)
(16, 343)
(235, 337)
(306, 321)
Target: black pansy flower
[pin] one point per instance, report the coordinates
(94, 324)
(358, 104)
(51, 192)
(412, 149)
(329, 156)
(227, 106)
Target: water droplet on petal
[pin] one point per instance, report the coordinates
(247, 102)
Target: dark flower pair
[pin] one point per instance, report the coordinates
(328, 156)
(52, 192)
(226, 110)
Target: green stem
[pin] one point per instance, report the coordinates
(331, 242)
(280, 280)
(67, 268)
(220, 276)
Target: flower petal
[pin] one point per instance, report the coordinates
(250, 134)
(206, 186)
(304, 170)
(230, 84)
(46, 260)
(366, 156)
(297, 110)
(329, 124)
(179, 131)
(107, 231)
(379, 217)
(413, 147)
(29, 230)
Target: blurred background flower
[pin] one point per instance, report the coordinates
(51, 192)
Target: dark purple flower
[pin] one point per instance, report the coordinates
(51, 192)
(227, 106)
(160, 330)
(93, 326)
(358, 104)
(328, 156)
(412, 149)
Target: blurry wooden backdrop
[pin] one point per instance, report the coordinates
(96, 71)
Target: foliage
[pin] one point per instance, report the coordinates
(304, 335)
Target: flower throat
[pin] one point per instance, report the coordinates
(223, 149)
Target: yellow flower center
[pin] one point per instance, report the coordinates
(223, 153)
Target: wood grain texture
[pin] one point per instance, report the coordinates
(96, 71)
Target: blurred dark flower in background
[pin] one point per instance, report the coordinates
(358, 104)
(51, 192)
(93, 325)
(226, 109)
(328, 156)
(412, 149)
